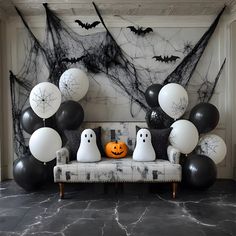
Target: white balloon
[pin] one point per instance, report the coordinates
(212, 146)
(173, 100)
(45, 99)
(44, 143)
(74, 84)
(184, 136)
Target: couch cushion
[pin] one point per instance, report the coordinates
(73, 141)
(160, 141)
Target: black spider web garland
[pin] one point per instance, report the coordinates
(97, 53)
(103, 55)
(207, 88)
(21, 85)
(183, 72)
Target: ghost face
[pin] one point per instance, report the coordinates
(88, 136)
(143, 136)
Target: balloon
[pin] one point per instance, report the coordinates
(173, 100)
(212, 146)
(49, 169)
(184, 136)
(199, 171)
(29, 173)
(70, 115)
(74, 84)
(44, 143)
(45, 99)
(151, 95)
(156, 118)
(204, 116)
(31, 122)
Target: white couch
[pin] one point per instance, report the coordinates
(116, 170)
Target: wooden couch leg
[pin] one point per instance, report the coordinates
(174, 189)
(61, 187)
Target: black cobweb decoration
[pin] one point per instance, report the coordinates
(207, 88)
(184, 71)
(96, 53)
(21, 85)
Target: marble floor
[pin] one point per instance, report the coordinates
(135, 209)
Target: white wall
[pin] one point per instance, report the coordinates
(223, 92)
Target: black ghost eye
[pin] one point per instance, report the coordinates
(141, 135)
(146, 135)
(85, 135)
(91, 135)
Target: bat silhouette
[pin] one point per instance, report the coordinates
(166, 59)
(87, 25)
(72, 60)
(140, 30)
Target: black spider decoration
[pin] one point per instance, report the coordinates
(188, 46)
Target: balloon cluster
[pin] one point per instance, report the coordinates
(169, 103)
(45, 120)
(199, 170)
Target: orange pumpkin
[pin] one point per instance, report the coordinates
(116, 149)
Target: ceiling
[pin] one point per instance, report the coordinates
(116, 7)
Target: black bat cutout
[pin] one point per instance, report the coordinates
(166, 59)
(72, 60)
(87, 25)
(140, 30)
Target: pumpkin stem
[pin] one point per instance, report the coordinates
(116, 141)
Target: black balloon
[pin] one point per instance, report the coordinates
(31, 122)
(156, 118)
(199, 171)
(49, 171)
(205, 116)
(70, 115)
(30, 173)
(151, 95)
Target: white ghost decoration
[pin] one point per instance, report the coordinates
(144, 150)
(88, 150)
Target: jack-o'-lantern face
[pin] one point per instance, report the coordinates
(116, 149)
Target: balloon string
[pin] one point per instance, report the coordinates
(44, 122)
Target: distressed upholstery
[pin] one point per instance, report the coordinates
(115, 170)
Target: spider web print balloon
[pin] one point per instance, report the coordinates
(45, 99)
(74, 84)
(212, 146)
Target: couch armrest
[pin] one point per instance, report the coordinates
(173, 154)
(62, 156)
